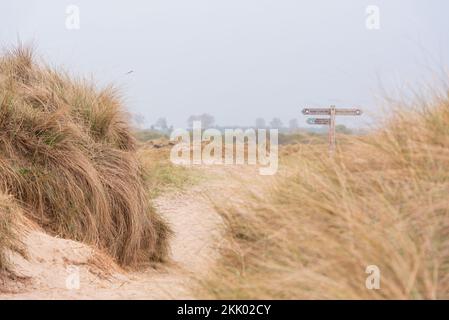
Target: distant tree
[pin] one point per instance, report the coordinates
(276, 123)
(190, 120)
(341, 128)
(260, 123)
(161, 124)
(293, 124)
(207, 121)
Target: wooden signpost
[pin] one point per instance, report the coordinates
(331, 112)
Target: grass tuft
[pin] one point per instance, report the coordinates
(68, 156)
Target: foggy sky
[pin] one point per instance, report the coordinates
(238, 59)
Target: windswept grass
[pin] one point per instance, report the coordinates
(68, 157)
(10, 230)
(160, 174)
(383, 201)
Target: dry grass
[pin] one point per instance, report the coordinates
(160, 174)
(68, 157)
(383, 200)
(11, 230)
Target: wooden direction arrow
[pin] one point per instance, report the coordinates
(327, 111)
(316, 111)
(320, 121)
(348, 112)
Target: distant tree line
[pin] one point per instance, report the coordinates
(208, 121)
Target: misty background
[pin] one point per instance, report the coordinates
(239, 60)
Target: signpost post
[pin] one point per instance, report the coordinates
(331, 112)
(332, 131)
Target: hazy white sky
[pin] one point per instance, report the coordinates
(237, 59)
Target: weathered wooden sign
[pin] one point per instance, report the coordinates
(332, 112)
(327, 111)
(319, 121)
(316, 111)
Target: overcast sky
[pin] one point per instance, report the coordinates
(237, 59)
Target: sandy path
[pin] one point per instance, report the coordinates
(54, 265)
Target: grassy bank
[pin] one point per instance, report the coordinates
(382, 200)
(68, 157)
